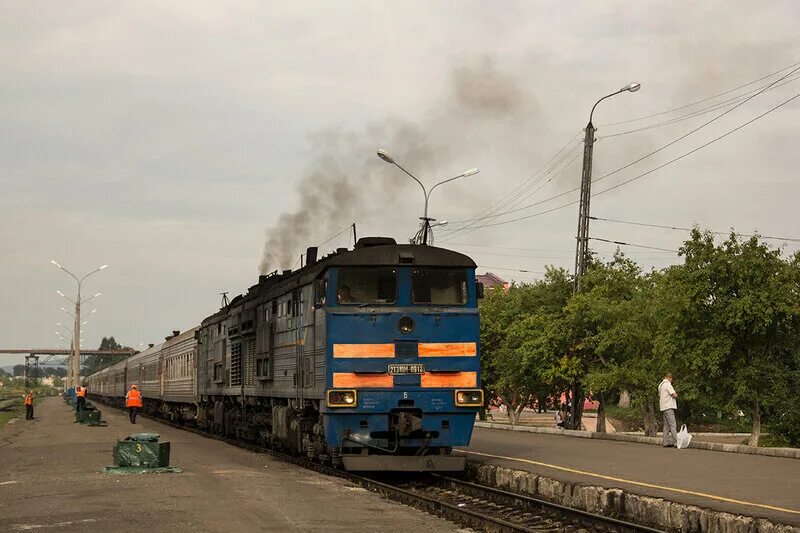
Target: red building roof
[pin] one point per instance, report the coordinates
(490, 281)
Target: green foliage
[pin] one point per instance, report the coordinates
(93, 363)
(517, 356)
(726, 323)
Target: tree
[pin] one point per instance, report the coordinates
(19, 370)
(613, 322)
(735, 325)
(512, 325)
(93, 363)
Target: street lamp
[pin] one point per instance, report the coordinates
(426, 221)
(582, 245)
(73, 375)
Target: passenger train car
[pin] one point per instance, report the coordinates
(367, 359)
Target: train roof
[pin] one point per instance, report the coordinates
(368, 252)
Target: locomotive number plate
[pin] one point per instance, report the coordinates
(406, 369)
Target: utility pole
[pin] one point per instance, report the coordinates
(582, 238)
(582, 247)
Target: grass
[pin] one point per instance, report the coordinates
(625, 419)
(18, 410)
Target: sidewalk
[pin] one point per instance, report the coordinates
(737, 483)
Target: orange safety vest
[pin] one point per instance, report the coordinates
(133, 398)
(29, 399)
(80, 392)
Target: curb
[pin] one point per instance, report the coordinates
(618, 503)
(789, 453)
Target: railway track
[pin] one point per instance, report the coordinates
(468, 504)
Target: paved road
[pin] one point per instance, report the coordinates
(751, 479)
(50, 479)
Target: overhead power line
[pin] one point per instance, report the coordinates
(678, 228)
(690, 152)
(695, 130)
(696, 113)
(643, 174)
(511, 269)
(521, 192)
(700, 101)
(621, 243)
(348, 228)
(677, 139)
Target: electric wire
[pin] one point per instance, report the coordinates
(699, 101)
(513, 193)
(698, 128)
(678, 228)
(621, 243)
(454, 231)
(329, 240)
(690, 152)
(522, 192)
(642, 174)
(696, 113)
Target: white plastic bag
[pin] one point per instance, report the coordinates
(684, 438)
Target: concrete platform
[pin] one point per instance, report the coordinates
(748, 485)
(50, 479)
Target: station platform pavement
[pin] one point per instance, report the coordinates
(50, 480)
(742, 484)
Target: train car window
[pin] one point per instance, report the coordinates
(367, 286)
(439, 286)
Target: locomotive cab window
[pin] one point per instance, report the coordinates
(367, 286)
(439, 286)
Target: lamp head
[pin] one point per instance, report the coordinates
(470, 172)
(383, 154)
(633, 87)
(55, 264)
(102, 267)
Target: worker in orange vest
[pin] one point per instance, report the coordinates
(80, 398)
(133, 401)
(29, 406)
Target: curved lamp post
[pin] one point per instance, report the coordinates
(73, 375)
(426, 221)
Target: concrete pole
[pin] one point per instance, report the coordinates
(582, 245)
(75, 362)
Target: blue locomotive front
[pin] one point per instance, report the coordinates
(402, 358)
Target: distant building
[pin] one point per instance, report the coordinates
(492, 281)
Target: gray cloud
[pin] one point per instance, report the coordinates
(163, 140)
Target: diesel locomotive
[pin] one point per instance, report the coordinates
(366, 359)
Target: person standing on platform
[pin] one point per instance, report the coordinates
(29, 406)
(80, 398)
(668, 405)
(133, 401)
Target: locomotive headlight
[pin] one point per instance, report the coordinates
(405, 325)
(342, 398)
(469, 398)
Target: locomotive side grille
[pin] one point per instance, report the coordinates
(250, 361)
(236, 364)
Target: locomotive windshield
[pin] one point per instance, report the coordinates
(439, 286)
(367, 286)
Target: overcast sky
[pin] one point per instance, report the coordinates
(166, 139)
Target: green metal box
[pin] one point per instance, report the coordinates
(142, 450)
(88, 416)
